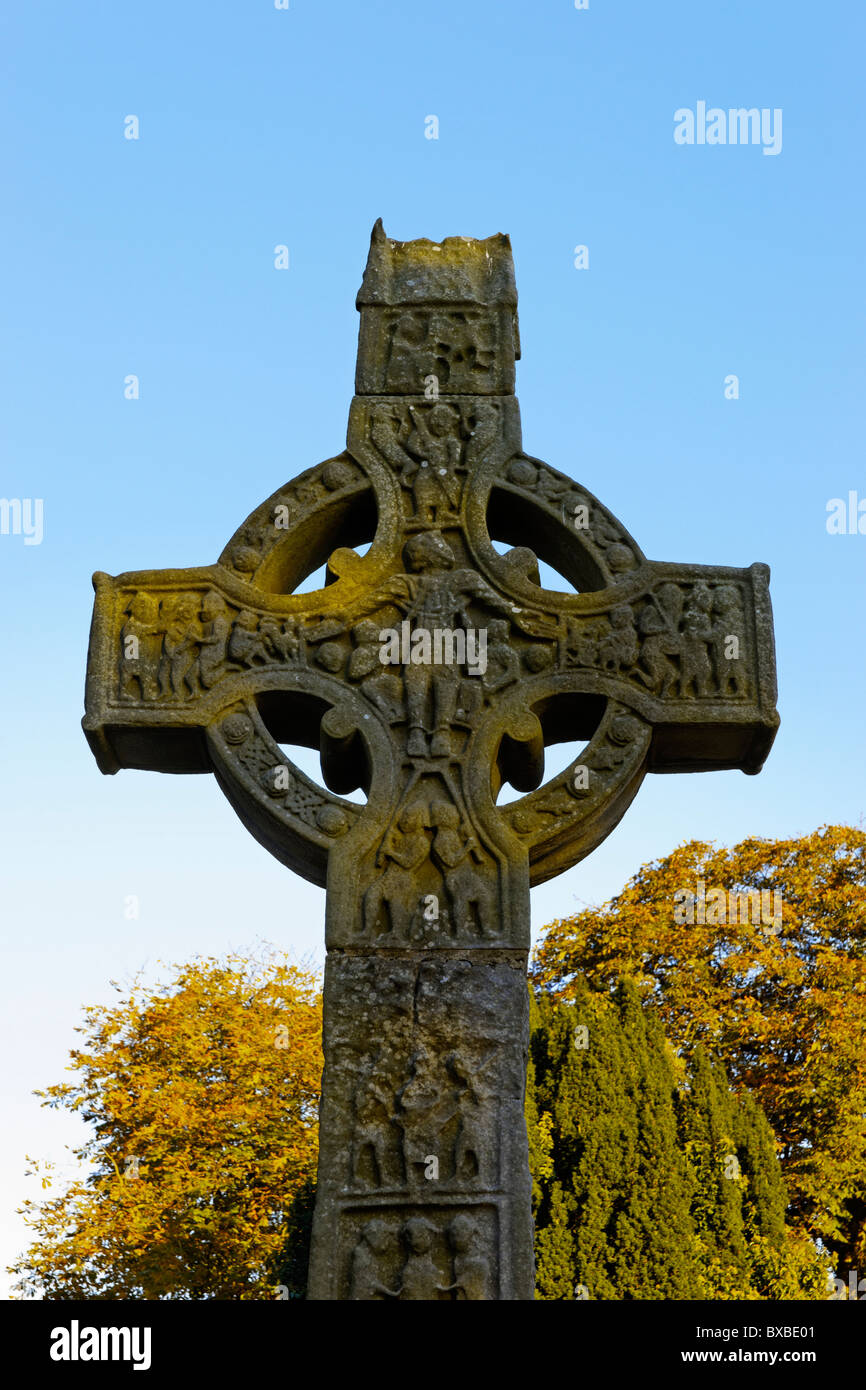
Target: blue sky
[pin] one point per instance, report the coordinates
(155, 257)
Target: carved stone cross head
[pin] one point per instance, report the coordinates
(429, 671)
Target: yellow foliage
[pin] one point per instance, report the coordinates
(202, 1095)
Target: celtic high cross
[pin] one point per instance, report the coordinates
(429, 671)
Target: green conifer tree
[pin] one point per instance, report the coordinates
(620, 1191)
(651, 1178)
(706, 1110)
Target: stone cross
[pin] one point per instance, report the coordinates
(428, 672)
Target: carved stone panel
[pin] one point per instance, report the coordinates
(423, 1130)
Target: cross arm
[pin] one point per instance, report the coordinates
(688, 647)
(170, 649)
(701, 669)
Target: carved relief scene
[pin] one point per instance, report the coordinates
(176, 646)
(455, 345)
(423, 1097)
(439, 1256)
(435, 882)
(424, 1078)
(679, 641)
(425, 1120)
(430, 448)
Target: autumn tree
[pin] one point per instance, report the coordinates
(201, 1095)
(780, 1001)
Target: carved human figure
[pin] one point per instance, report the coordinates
(382, 686)
(171, 632)
(696, 673)
(180, 645)
(410, 359)
(280, 639)
(728, 623)
(395, 890)
(484, 431)
(385, 428)
(373, 1103)
(503, 662)
(424, 1107)
(377, 1242)
(245, 644)
(420, 1279)
(213, 643)
(465, 888)
(472, 1156)
(432, 604)
(138, 668)
(582, 641)
(471, 1268)
(434, 595)
(619, 650)
(658, 624)
(671, 598)
(437, 451)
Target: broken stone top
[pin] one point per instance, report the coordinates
(437, 317)
(458, 270)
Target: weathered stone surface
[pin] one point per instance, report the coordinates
(658, 667)
(424, 1077)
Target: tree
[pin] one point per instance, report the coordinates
(658, 1182)
(707, 1126)
(614, 1219)
(202, 1098)
(781, 1002)
(650, 1177)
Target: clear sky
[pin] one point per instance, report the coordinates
(155, 257)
